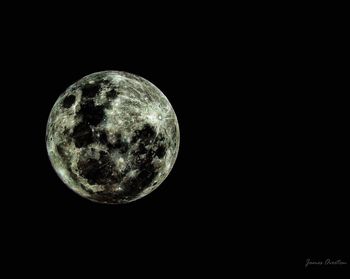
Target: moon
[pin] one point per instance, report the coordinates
(112, 137)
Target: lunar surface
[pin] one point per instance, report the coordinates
(112, 137)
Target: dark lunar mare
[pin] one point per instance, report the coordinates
(143, 159)
(68, 101)
(90, 114)
(111, 94)
(98, 171)
(102, 171)
(82, 135)
(61, 151)
(90, 90)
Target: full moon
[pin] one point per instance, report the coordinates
(112, 137)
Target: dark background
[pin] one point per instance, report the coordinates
(260, 180)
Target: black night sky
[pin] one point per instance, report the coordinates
(260, 180)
